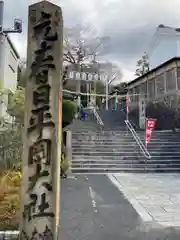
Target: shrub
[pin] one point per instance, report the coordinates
(64, 162)
(68, 110)
(64, 167)
(167, 118)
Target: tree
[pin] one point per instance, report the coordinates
(121, 87)
(22, 77)
(15, 107)
(81, 45)
(142, 65)
(69, 110)
(172, 104)
(111, 71)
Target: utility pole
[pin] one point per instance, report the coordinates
(107, 92)
(1, 39)
(3, 34)
(1, 14)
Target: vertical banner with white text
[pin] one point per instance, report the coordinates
(150, 125)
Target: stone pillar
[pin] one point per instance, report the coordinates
(78, 90)
(69, 147)
(42, 125)
(87, 91)
(78, 85)
(142, 112)
(94, 91)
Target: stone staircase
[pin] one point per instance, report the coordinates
(112, 150)
(103, 151)
(113, 119)
(165, 151)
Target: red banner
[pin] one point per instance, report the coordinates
(150, 125)
(127, 103)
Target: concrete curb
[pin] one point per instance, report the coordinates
(135, 204)
(9, 235)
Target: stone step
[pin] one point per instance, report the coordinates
(125, 145)
(121, 130)
(99, 148)
(102, 148)
(102, 141)
(127, 161)
(119, 133)
(117, 157)
(100, 153)
(125, 165)
(102, 138)
(121, 140)
(100, 132)
(118, 170)
(95, 151)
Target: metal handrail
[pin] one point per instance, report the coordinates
(99, 120)
(138, 140)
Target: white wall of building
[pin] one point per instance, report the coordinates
(9, 71)
(164, 46)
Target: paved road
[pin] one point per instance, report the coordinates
(92, 208)
(154, 196)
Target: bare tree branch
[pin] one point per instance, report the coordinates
(80, 44)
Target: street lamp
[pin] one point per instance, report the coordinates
(17, 28)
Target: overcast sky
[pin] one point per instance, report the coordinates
(129, 23)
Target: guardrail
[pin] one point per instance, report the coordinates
(137, 139)
(98, 118)
(96, 115)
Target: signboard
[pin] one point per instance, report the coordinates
(150, 125)
(85, 76)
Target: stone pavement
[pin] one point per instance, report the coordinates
(93, 208)
(156, 197)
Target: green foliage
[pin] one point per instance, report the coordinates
(64, 167)
(69, 110)
(16, 105)
(122, 88)
(11, 142)
(142, 65)
(64, 163)
(22, 78)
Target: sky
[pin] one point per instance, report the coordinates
(130, 24)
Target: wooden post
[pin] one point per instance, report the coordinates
(41, 157)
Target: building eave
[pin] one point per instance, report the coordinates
(153, 70)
